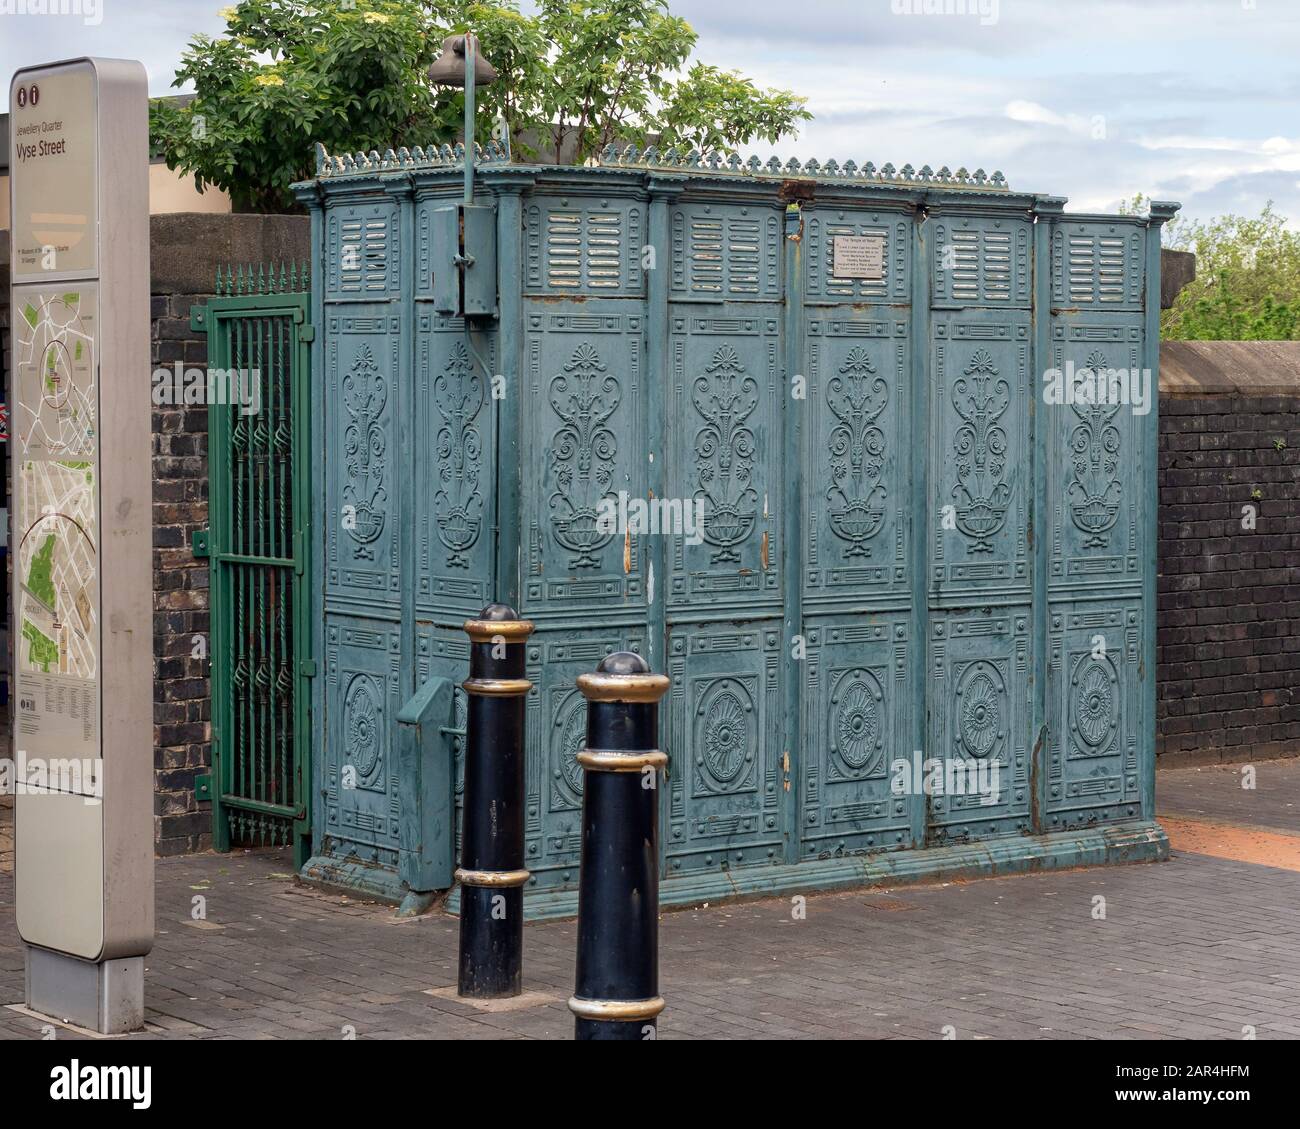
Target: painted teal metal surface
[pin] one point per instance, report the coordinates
(909, 551)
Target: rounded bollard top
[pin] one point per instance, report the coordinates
(498, 621)
(623, 677)
(623, 662)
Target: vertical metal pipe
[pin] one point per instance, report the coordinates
(492, 872)
(1162, 211)
(1047, 213)
(919, 520)
(663, 190)
(469, 117)
(505, 518)
(616, 996)
(793, 550)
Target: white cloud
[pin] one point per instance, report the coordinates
(1197, 97)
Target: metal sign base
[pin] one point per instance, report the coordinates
(107, 996)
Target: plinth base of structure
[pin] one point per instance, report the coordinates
(107, 996)
(356, 879)
(417, 903)
(1131, 841)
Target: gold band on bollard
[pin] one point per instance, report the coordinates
(625, 1010)
(607, 760)
(490, 630)
(598, 687)
(497, 687)
(493, 878)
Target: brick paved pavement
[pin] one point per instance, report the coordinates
(1215, 792)
(1196, 947)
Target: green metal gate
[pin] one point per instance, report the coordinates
(258, 514)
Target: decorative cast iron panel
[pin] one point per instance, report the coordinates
(1093, 713)
(1098, 264)
(723, 727)
(363, 676)
(454, 461)
(584, 432)
(980, 455)
(362, 456)
(1093, 444)
(856, 500)
(863, 580)
(364, 259)
(581, 245)
(724, 252)
(855, 229)
(725, 457)
(981, 261)
(978, 700)
(857, 707)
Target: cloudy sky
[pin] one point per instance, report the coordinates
(1190, 100)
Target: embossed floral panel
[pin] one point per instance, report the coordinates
(980, 455)
(726, 457)
(858, 476)
(455, 467)
(363, 458)
(584, 447)
(1094, 441)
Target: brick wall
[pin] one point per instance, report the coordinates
(182, 709)
(1228, 646)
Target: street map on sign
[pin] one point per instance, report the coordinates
(56, 526)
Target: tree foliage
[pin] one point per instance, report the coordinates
(1247, 285)
(573, 77)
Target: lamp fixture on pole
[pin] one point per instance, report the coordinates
(461, 65)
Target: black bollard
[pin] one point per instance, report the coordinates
(617, 992)
(492, 873)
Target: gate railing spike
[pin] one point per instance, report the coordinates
(616, 155)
